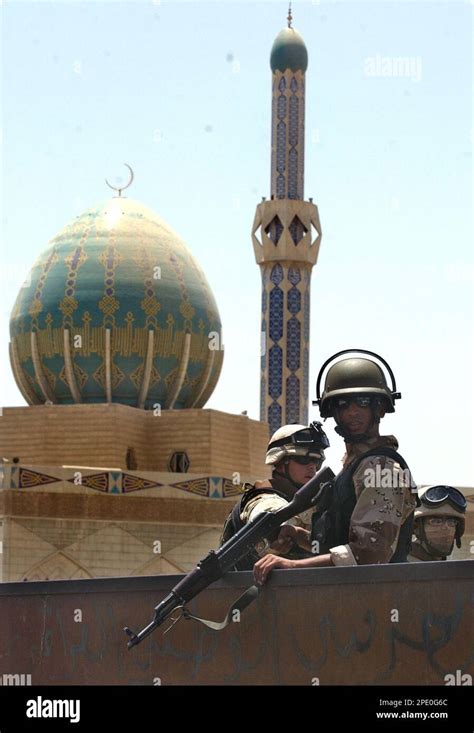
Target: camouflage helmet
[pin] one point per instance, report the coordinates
(444, 507)
(297, 440)
(355, 375)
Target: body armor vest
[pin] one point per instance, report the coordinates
(331, 522)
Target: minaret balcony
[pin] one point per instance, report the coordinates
(286, 229)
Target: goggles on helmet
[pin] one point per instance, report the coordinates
(312, 437)
(438, 495)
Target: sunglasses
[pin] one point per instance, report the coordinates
(342, 403)
(437, 495)
(305, 460)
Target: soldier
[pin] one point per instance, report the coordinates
(367, 518)
(439, 522)
(295, 452)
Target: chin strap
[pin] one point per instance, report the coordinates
(286, 474)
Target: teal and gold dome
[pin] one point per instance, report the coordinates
(116, 309)
(289, 52)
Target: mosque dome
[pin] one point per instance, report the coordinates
(116, 309)
(289, 52)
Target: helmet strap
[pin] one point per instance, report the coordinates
(458, 535)
(286, 474)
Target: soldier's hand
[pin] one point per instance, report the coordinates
(285, 540)
(268, 563)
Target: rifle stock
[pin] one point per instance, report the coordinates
(218, 562)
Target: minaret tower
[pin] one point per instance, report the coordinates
(286, 235)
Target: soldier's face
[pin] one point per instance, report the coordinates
(440, 532)
(354, 419)
(301, 474)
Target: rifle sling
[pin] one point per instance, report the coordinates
(242, 602)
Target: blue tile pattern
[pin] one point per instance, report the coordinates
(292, 399)
(277, 274)
(293, 343)
(294, 275)
(275, 366)
(274, 417)
(276, 314)
(294, 300)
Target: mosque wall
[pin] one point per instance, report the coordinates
(216, 443)
(111, 523)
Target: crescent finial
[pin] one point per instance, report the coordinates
(122, 188)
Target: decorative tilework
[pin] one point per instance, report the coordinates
(294, 275)
(136, 483)
(29, 479)
(276, 275)
(293, 343)
(280, 187)
(111, 482)
(198, 486)
(285, 394)
(293, 132)
(281, 107)
(306, 316)
(293, 174)
(281, 147)
(275, 363)
(98, 273)
(274, 417)
(305, 365)
(276, 314)
(294, 300)
(230, 489)
(292, 399)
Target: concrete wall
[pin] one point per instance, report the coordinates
(379, 625)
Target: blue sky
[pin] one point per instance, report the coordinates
(181, 91)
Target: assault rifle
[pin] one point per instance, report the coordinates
(217, 562)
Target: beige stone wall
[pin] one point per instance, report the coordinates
(59, 549)
(110, 523)
(71, 509)
(99, 435)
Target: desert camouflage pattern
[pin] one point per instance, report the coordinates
(272, 503)
(380, 510)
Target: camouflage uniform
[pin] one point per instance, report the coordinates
(270, 502)
(267, 502)
(379, 511)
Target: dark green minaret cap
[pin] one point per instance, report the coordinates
(289, 50)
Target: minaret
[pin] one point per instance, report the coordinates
(286, 235)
